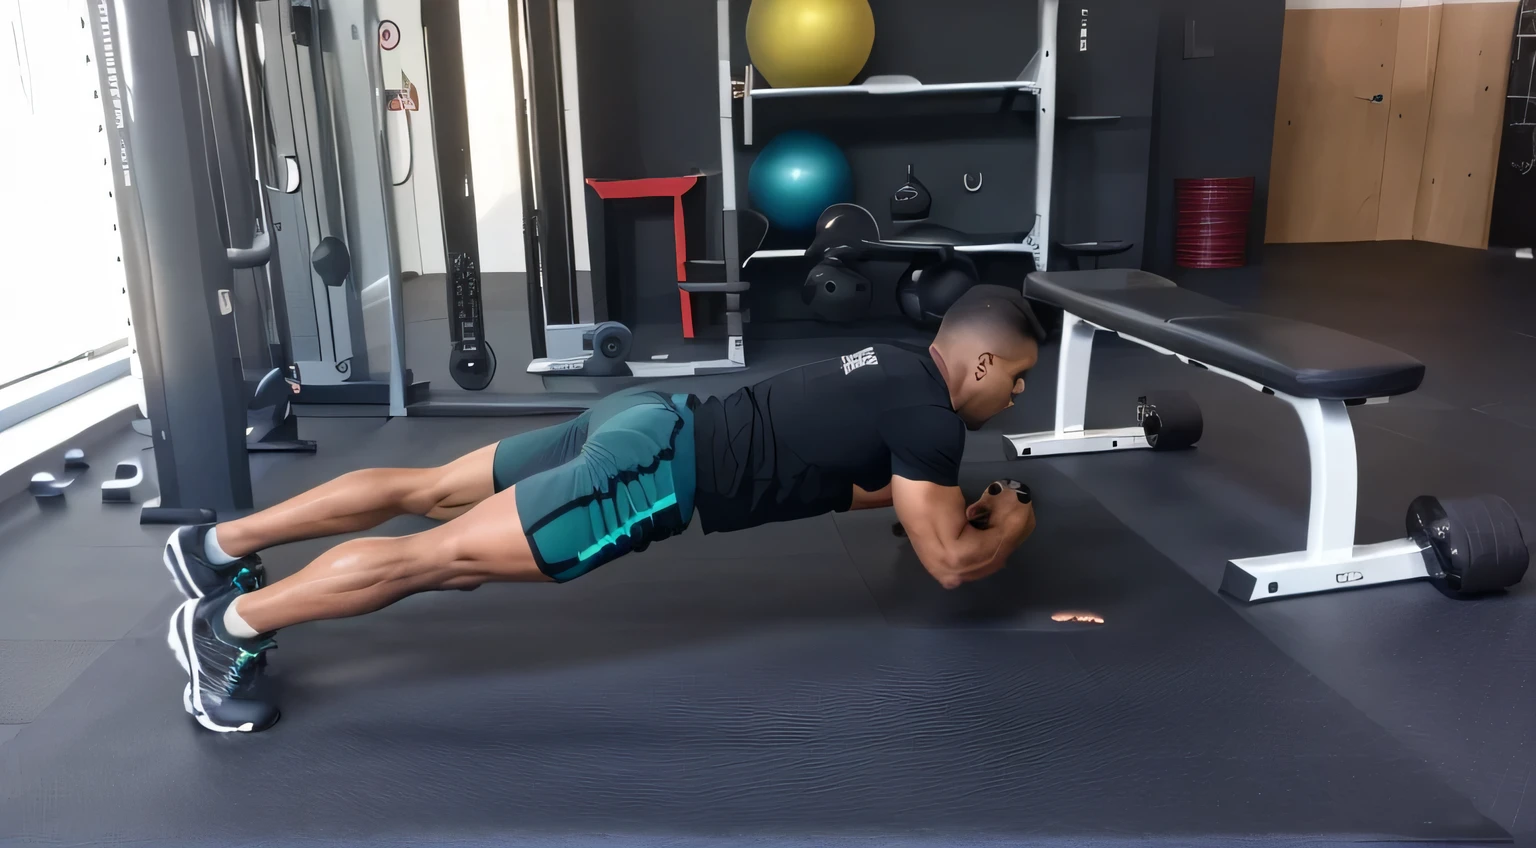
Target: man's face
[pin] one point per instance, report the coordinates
(994, 382)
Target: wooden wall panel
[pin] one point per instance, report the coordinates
(1462, 144)
(1330, 138)
(1408, 108)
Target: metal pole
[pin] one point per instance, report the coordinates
(552, 184)
(178, 273)
(534, 261)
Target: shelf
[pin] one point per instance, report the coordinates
(884, 86)
(792, 253)
(1037, 80)
(897, 85)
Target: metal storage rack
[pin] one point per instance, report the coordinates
(1038, 79)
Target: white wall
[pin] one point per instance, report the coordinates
(62, 290)
(418, 214)
(488, 92)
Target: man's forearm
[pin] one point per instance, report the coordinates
(978, 552)
(981, 547)
(951, 548)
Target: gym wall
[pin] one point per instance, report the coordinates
(1104, 125)
(646, 75)
(1215, 114)
(1421, 162)
(648, 107)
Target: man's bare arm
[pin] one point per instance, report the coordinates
(950, 548)
(871, 500)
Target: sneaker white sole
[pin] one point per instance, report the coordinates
(173, 639)
(176, 563)
(179, 635)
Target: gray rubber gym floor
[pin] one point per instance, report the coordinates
(806, 684)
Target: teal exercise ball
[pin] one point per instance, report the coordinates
(796, 177)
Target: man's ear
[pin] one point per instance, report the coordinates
(984, 362)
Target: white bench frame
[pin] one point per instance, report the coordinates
(1331, 559)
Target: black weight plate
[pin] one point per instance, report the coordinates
(1170, 420)
(1475, 542)
(1496, 555)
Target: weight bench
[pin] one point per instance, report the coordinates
(1467, 546)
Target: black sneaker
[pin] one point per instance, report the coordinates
(187, 560)
(224, 672)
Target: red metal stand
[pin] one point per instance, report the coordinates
(675, 188)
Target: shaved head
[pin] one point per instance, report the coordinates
(989, 339)
(998, 314)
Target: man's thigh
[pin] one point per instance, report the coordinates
(475, 477)
(484, 544)
(521, 456)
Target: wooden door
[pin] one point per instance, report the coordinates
(1461, 147)
(1408, 114)
(1331, 118)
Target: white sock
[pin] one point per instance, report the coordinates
(211, 549)
(236, 625)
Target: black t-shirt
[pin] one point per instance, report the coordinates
(795, 444)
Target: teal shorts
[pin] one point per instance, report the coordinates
(609, 481)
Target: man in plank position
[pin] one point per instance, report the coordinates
(884, 426)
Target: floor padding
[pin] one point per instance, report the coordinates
(709, 692)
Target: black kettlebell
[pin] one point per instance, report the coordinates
(842, 226)
(912, 201)
(926, 292)
(835, 291)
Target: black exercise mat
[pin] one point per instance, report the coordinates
(703, 695)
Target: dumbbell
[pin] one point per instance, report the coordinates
(1471, 546)
(980, 521)
(997, 487)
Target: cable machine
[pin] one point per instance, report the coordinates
(175, 213)
(234, 222)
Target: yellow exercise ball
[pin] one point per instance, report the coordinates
(797, 43)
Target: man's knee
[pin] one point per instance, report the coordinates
(448, 491)
(447, 508)
(422, 491)
(438, 493)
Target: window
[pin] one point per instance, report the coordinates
(61, 275)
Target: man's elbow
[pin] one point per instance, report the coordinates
(949, 568)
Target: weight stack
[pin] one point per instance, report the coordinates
(1211, 227)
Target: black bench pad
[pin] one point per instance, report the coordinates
(1293, 357)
